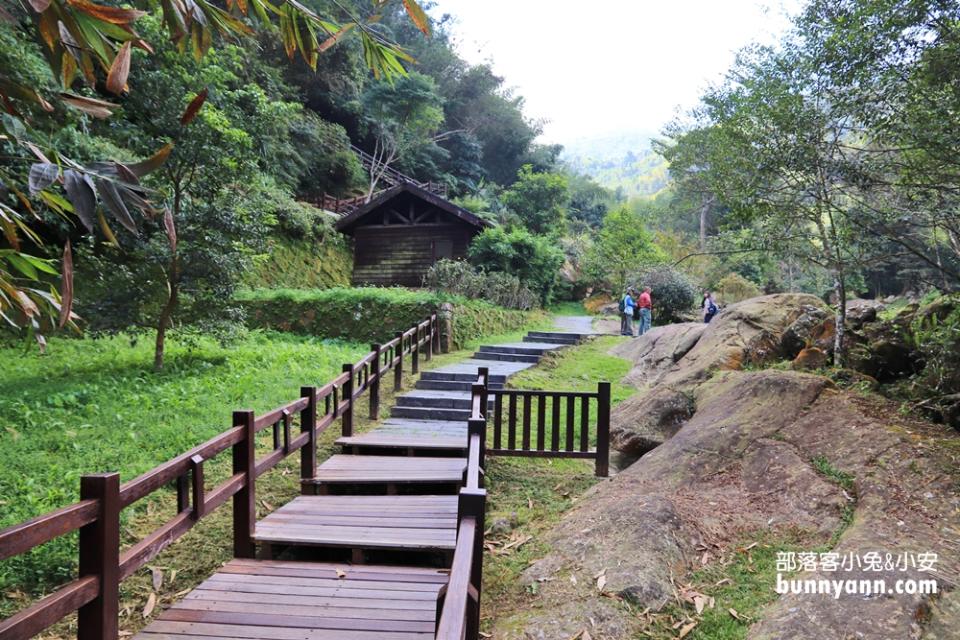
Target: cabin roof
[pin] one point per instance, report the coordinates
(349, 221)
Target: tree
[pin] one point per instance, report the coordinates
(540, 199)
(403, 117)
(535, 260)
(93, 43)
(623, 247)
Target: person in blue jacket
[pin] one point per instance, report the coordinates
(627, 305)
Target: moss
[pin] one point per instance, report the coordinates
(302, 264)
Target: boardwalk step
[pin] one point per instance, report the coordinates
(305, 600)
(424, 523)
(438, 399)
(450, 385)
(560, 335)
(470, 378)
(347, 469)
(430, 413)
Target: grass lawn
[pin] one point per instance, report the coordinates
(96, 405)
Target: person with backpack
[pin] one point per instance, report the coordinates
(645, 304)
(626, 313)
(709, 307)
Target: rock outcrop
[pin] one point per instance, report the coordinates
(733, 455)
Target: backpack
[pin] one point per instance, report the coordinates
(623, 304)
(711, 308)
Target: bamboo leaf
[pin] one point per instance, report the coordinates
(90, 106)
(152, 163)
(170, 228)
(42, 175)
(417, 15)
(110, 196)
(112, 15)
(66, 285)
(81, 195)
(107, 231)
(193, 108)
(119, 70)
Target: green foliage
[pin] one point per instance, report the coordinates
(535, 260)
(673, 293)
(372, 314)
(935, 336)
(733, 288)
(540, 200)
(459, 277)
(95, 405)
(622, 247)
(302, 264)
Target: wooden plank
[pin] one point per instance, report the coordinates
(497, 420)
(526, 421)
(555, 423)
(571, 414)
(22, 537)
(541, 421)
(512, 422)
(168, 630)
(50, 609)
(584, 424)
(297, 621)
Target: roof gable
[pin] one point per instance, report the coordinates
(346, 223)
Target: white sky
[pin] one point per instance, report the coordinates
(607, 66)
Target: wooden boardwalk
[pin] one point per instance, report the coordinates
(413, 464)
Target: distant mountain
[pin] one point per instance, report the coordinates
(623, 161)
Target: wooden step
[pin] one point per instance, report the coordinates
(398, 523)
(386, 472)
(253, 599)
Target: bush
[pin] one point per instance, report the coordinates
(373, 314)
(733, 288)
(458, 277)
(301, 264)
(674, 294)
(534, 260)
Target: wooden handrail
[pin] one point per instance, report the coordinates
(96, 515)
(453, 614)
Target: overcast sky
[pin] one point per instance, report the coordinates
(605, 66)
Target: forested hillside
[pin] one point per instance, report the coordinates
(624, 163)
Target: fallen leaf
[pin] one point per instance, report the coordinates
(686, 630)
(151, 603)
(341, 573)
(157, 575)
(699, 602)
(529, 503)
(733, 612)
(173, 575)
(601, 580)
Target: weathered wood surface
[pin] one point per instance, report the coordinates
(346, 469)
(276, 600)
(364, 522)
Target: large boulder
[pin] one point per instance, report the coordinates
(746, 333)
(760, 458)
(656, 351)
(647, 420)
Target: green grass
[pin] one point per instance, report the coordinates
(568, 308)
(96, 405)
(534, 494)
(743, 582)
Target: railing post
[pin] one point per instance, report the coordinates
(100, 556)
(483, 373)
(603, 430)
(398, 368)
(415, 351)
(308, 422)
(196, 480)
(244, 501)
(428, 335)
(183, 493)
(478, 426)
(436, 333)
(472, 504)
(346, 416)
(375, 383)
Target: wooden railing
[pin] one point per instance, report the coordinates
(102, 563)
(552, 424)
(458, 605)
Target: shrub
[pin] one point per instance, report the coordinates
(458, 277)
(733, 288)
(674, 294)
(534, 260)
(373, 314)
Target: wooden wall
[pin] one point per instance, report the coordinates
(398, 254)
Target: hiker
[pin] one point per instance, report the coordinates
(646, 311)
(626, 313)
(709, 307)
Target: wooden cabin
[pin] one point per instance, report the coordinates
(399, 234)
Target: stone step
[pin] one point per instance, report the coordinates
(439, 399)
(555, 340)
(450, 385)
(505, 357)
(532, 350)
(561, 335)
(430, 413)
(441, 376)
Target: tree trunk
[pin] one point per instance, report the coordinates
(840, 289)
(173, 290)
(704, 213)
